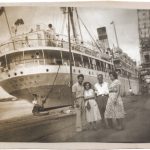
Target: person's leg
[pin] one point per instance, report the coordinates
(78, 116)
(101, 109)
(90, 125)
(110, 122)
(83, 115)
(104, 102)
(105, 99)
(78, 120)
(94, 125)
(120, 123)
(103, 117)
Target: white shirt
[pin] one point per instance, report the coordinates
(89, 93)
(101, 89)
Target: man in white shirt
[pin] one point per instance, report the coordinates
(102, 93)
(78, 95)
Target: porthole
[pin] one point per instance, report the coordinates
(79, 71)
(21, 72)
(8, 75)
(15, 73)
(89, 72)
(47, 70)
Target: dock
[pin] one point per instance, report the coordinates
(59, 125)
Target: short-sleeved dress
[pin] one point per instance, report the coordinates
(114, 110)
(93, 114)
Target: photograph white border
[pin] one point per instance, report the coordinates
(121, 4)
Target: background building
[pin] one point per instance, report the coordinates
(144, 39)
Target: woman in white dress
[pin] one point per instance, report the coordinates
(92, 111)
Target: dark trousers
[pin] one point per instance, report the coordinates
(102, 102)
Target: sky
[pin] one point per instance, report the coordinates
(125, 21)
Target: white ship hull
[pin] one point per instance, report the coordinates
(36, 80)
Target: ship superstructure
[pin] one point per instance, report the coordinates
(127, 69)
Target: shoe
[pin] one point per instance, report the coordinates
(119, 128)
(78, 130)
(94, 128)
(90, 127)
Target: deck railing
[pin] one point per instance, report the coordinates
(39, 39)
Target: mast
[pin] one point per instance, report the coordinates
(115, 33)
(70, 12)
(8, 27)
(70, 54)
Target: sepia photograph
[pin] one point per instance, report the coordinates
(74, 74)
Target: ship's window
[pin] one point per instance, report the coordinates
(91, 66)
(3, 62)
(108, 67)
(53, 57)
(147, 59)
(13, 59)
(65, 58)
(98, 65)
(33, 57)
(93, 63)
(78, 60)
(112, 68)
(86, 62)
(102, 65)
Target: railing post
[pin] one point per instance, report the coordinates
(43, 56)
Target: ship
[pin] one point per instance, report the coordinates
(38, 63)
(128, 72)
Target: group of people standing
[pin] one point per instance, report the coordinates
(98, 102)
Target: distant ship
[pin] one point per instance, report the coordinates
(38, 63)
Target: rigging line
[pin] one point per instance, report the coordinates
(52, 85)
(79, 24)
(70, 53)
(90, 34)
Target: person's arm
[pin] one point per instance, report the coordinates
(89, 97)
(74, 96)
(74, 92)
(107, 89)
(95, 90)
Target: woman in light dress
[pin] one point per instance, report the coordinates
(92, 111)
(114, 107)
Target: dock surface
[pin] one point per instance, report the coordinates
(17, 124)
